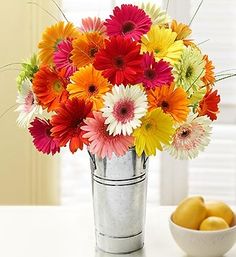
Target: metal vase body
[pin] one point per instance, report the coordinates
(119, 198)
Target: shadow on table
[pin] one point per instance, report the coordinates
(140, 253)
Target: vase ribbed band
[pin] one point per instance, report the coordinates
(119, 198)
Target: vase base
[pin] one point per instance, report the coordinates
(120, 245)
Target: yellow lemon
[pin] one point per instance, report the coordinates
(220, 209)
(213, 223)
(190, 212)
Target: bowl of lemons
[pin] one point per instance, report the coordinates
(203, 229)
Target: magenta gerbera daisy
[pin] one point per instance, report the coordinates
(120, 60)
(100, 142)
(61, 57)
(128, 21)
(154, 73)
(43, 140)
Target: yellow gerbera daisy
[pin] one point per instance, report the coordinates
(85, 47)
(157, 15)
(52, 36)
(156, 129)
(162, 42)
(90, 85)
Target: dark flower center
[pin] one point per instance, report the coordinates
(189, 72)
(128, 27)
(92, 88)
(93, 51)
(185, 133)
(48, 132)
(149, 74)
(148, 126)
(165, 105)
(123, 110)
(119, 62)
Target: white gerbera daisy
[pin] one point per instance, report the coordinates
(190, 70)
(157, 15)
(190, 138)
(124, 107)
(28, 105)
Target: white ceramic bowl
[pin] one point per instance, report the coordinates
(203, 243)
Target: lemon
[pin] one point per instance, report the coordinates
(213, 223)
(190, 212)
(220, 209)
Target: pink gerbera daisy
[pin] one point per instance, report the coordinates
(62, 56)
(120, 60)
(43, 140)
(129, 21)
(155, 73)
(100, 142)
(93, 25)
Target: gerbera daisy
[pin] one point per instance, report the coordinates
(209, 105)
(182, 30)
(157, 15)
(172, 101)
(67, 123)
(209, 77)
(128, 21)
(156, 129)
(85, 48)
(61, 57)
(93, 25)
(52, 36)
(120, 61)
(190, 70)
(43, 140)
(50, 88)
(100, 142)
(90, 85)
(124, 108)
(28, 69)
(162, 42)
(155, 74)
(190, 138)
(28, 106)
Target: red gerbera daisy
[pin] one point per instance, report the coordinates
(67, 123)
(154, 73)
(128, 21)
(49, 87)
(209, 105)
(43, 140)
(120, 60)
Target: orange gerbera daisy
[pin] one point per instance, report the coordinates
(49, 88)
(209, 105)
(85, 47)
(90, 85)
(183, 31)
(172, 101)
(52, 36)
(209, 78)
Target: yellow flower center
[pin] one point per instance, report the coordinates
(57, 86)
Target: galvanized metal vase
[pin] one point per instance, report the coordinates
(119, 198)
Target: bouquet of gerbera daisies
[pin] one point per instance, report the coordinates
(133, 80)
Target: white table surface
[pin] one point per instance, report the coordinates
(69, 232)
